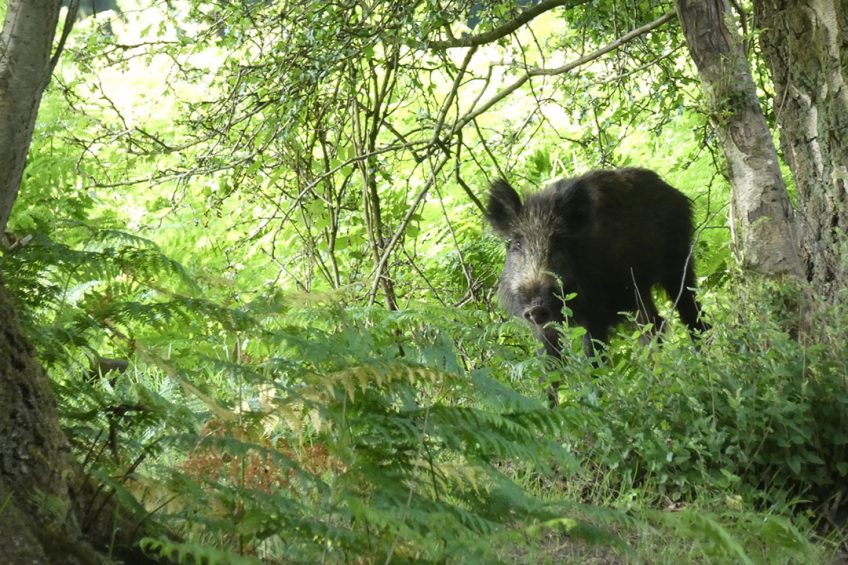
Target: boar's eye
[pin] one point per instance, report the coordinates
(515, 245)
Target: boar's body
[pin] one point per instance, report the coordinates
(608, 236)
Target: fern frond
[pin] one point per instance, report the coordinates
(194, 553)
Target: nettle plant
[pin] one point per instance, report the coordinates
(756, 412)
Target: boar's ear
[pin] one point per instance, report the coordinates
(503, 207)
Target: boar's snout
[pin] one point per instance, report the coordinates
(538, 314)
(540, 304)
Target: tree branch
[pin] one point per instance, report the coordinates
(70, 18)
(506, 29)
(440, 120)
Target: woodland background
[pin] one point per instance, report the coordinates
(248, 252)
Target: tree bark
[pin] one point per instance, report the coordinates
(39, 510)
(805, 43)
(761, 218)
(25, 46)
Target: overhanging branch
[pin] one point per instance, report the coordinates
(507, 28)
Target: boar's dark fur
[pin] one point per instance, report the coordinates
(608, 236)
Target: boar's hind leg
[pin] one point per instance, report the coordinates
(594, 341)
(647, 311)
(680, 290)
(553, 394)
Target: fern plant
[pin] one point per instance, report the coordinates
(373, 442)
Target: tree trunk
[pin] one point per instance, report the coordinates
(805, 43)
(761, 211)
(39, 520)
(25, 46)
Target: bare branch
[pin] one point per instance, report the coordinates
(70, 18)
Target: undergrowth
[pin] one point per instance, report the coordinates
(756, 411)
(367, 435)
(340, 433)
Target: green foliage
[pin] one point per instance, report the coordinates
(755, 412)
(734, 536)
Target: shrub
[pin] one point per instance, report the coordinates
(755, 409)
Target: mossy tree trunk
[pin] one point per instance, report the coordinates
(39, 480)
(40, 483)
(762, 222)
(805, 43)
